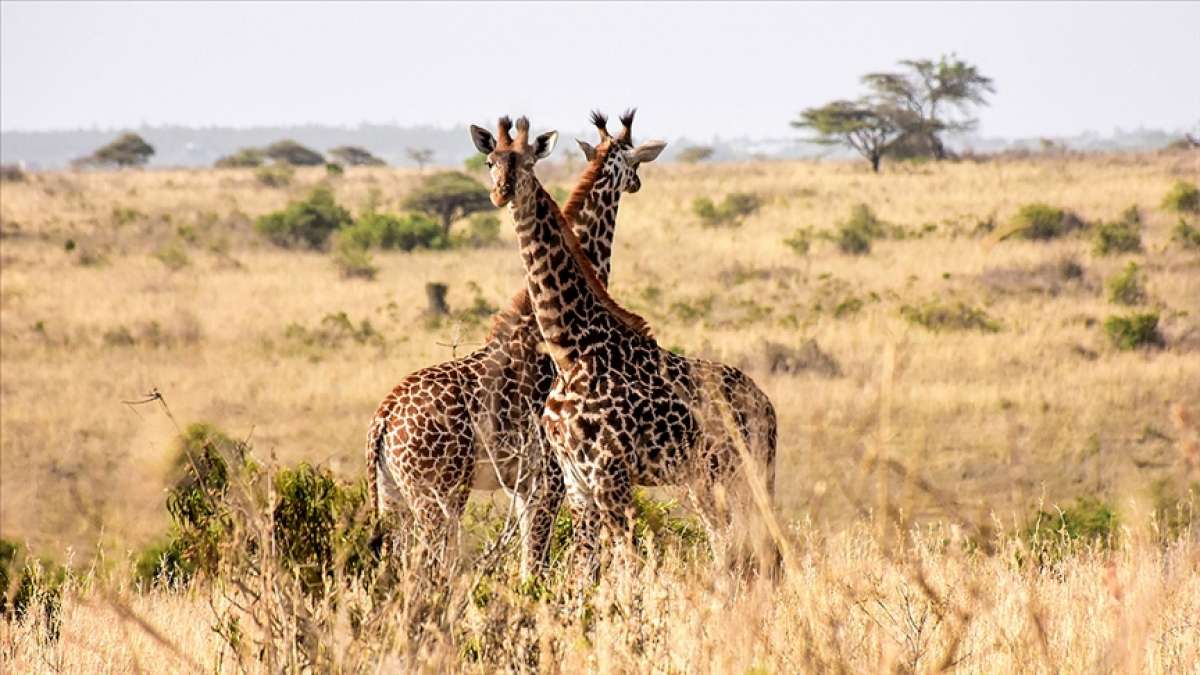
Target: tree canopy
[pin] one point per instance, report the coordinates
(936, 95)
(449, 196)
(291, 152)
(353, 155)
(128, 149)
(865, 125)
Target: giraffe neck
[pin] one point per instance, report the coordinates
(595, 221)
(568, 313)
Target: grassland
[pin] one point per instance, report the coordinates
(117, 283)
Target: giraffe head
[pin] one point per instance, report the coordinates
(621, 158)
(509, 158)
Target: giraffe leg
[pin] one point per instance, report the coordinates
(537, 509)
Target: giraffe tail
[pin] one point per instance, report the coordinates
(375, 438)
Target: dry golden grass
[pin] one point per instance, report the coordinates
(1044, 409)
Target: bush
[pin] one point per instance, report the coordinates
(1125, 288)
(1183, 197)
(938, 316)
(1088, 521)
(333, 170)
(476, 162)
(1186, 235)
(1042, 222)
(800, 241)
(386, 231)
(244, 158)
(316, 525)
(1134, 331)
(305, 223)
(854, 235)
(483, 230)
(353, 260)
(11, 173)
(1121, 236)
(288, 151)
(274, 175)
(173, 257)
(334, 330)
(736, 206)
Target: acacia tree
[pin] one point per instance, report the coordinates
(935, 97)
(868, 126)
(449, 196)
(291, 152)
(419, 155)
(353, 155)
(128, 149)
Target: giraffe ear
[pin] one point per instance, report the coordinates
(588, 151)
(544, 145)
(648, 151)
(483, 139)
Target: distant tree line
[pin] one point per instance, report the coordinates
(904, 113)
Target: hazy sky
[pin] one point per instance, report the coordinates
(693, 69)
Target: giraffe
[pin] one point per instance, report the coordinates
(473, 421)
(622, 410)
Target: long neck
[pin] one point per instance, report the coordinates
(595, 221)
(568, 312)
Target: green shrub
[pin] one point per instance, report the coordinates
(1089, 521)
(1186, 235)
(244, 158)
(165, 563)
(1121, 236)
(1041, 222)
(173, 257)
(1134, 331)
(333, 169)
(318, 525)
(483, 230)
(731, 210)
(938, 316)
(305, 223)
(353, 260)
(334, 330)
(800, 241)
(476, 162)
(1125, 288)
(274, 175)
(854, 235)
(1183, 197)
(386, 231)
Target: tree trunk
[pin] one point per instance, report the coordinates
(939, 149)
(447, 219)
(875, 157)
(435, 294)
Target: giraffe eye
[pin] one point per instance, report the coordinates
(489, 163)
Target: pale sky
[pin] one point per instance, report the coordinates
(695, 69)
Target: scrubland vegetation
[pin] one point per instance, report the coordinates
(985, 372)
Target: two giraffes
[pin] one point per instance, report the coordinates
(570, 395)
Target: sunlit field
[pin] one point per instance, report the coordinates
(935, 393)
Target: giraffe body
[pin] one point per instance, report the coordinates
(622, 410)
(475, 421)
